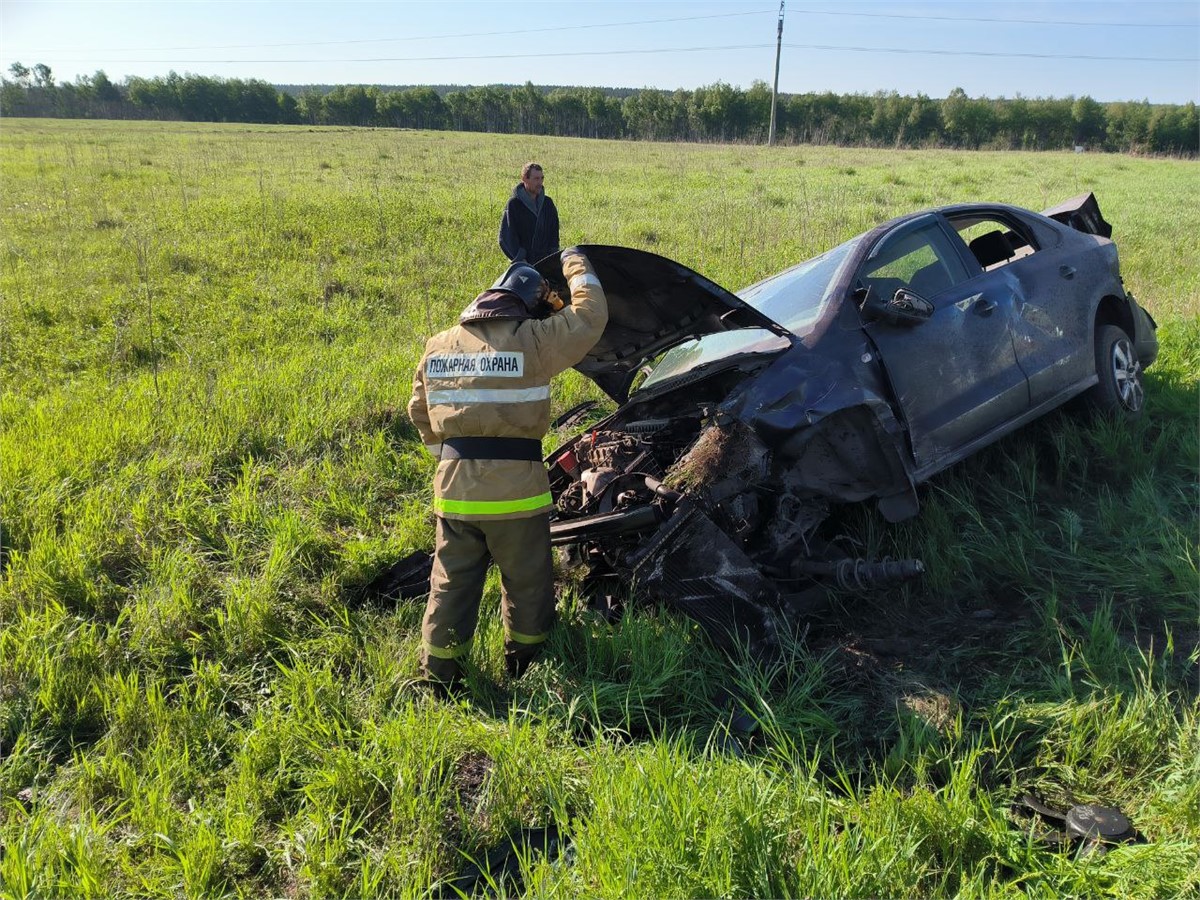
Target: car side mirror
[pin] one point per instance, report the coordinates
(904, 308)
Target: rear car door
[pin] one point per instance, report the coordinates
(955, 375)
(1050, 281)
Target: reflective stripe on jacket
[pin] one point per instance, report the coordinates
(492, 379)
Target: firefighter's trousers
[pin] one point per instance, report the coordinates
(521, 550)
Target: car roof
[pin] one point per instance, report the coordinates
(952, 209)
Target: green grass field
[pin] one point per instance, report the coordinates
(207, 340)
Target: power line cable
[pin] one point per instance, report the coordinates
(393, 59)
(424, 37)
(864, 15)
(916, 52)
(575, 53)
(556, 28)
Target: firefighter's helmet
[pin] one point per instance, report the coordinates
(525, 282)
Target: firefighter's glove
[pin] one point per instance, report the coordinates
(571, 253)
(576, 269)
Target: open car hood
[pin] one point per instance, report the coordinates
(654, 303)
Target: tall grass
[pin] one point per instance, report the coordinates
(208, 334)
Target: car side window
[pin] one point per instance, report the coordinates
(921, 259)
(994, 241)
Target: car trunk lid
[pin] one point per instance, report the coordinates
(654, 303)
(1081, 213)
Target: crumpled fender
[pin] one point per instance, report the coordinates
(832, 435)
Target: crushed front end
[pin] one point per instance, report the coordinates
(708, 497)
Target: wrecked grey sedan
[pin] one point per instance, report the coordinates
(850, 377)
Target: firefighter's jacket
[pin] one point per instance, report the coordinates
(490, 378)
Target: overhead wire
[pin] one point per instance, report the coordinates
(910, 51)
(989, 20)
(430, 37)
(630, 52)
(658, 21)
(1010, 54)
(379, 59)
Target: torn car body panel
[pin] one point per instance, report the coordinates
(1081, 213)
(702, 572)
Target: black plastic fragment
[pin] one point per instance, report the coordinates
(696, 568)
(500, 868)
(733, 711)
(1106, 823)
(1037, 805)
(404, 580)
(1088, 828)
(608, 606)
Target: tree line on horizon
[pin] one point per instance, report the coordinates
(717, 112)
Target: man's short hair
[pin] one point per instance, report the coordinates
(529, 167)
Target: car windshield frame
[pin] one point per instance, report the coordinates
(797, 298)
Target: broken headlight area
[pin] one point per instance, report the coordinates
(687, 503)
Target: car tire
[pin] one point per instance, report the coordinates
(1120, 392)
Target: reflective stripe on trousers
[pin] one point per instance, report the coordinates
(458, 650)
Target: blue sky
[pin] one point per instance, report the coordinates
(1109, 50)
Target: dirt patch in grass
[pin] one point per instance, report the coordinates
(924, 662)
(922, 639)
(471, 773)
(338, 287)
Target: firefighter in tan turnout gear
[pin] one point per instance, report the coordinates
(481, 401)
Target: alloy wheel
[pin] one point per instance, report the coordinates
(1127, 374)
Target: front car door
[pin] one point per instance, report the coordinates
(955, 375)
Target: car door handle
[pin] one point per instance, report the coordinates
(984, 307)
(1066, 272)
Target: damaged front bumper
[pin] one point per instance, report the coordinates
(686, 505)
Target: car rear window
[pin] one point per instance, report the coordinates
(994, 240)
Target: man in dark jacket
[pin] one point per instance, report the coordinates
(529, 226)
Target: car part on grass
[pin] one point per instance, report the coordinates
(609, 607)
(861, 574)
(1087, 828)
(499, 871)
(404, 580)
(696, 568)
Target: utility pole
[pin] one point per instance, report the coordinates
(775, 89)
